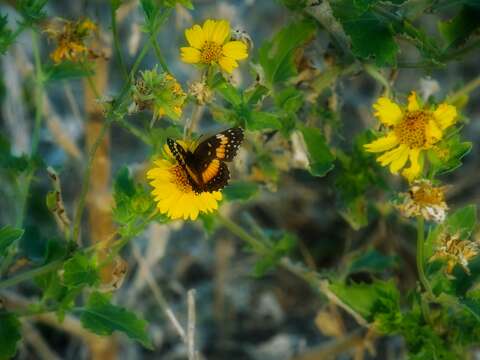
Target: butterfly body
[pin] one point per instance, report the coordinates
(205, 166)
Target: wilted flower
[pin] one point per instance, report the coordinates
(173, 193)
(201, 92)
(210, 44)
(454, 250)
(425, 200)
(159, 92)
(71, 40)
(410, 132)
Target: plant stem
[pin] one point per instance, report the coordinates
(257, 246)
(465, 90)
(134, 131)
(159, 55)
(27, 275)
(116, 41)
(420, 247)
(377, 75)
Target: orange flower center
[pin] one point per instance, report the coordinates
(211, 52)
(411, 130)
(179, 178)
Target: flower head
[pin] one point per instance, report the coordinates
(454, 250)
(410, 132)
(425, 200)
(210, 44)
(201, 92)
(159, 92)
(173, 193)
(71, 40)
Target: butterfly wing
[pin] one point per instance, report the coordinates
(211, 155)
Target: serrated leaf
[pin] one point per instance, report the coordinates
(9, 335)
(463, 220)
(32, 10)
(370, 35)
(321, 159)
(80, 270)
(103, 318)
(240, 190)
(8, 234)
(277, 56)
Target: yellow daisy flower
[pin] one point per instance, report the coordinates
(410, 132)
(210, 44)
(174, 194)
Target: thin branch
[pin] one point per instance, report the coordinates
(192, 354)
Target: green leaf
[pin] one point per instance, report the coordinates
(33, 245)
(277, 56)
(457, 30)
(240, 190)
(448, 155)
(255, 95)
(229, 92)
(80, 270)
(124, 183)
(289, 99)
(463, 221)
(369, 300)
(103, 318)
(261, 120)
(370, 35)
(372, 261)
(10, 162)
(8, 234)
(9, 335)
(321, 159)
(281, 245)
(32, 10)
(6, 35)
(66, 70)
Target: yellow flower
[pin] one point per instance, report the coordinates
(174, 194)
(71, 40)
(454, 250)
(410, 132)
(425, 200)
(210, 44)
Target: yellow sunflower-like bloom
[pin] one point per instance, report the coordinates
(210, 44)
(174, 194)
(410, 131)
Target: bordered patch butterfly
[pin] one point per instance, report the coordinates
(205, 166)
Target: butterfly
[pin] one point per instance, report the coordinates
(205, 166)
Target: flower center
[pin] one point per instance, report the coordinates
(211, 52)
(179, 178)
(411, 130)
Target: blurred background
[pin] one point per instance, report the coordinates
(238, 315)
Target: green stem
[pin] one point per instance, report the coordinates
(257, 246)
(134, 130)
(159, 55)
(30, 274)
(377, 75)
(420, 247)
(116, 41)
(465, 90)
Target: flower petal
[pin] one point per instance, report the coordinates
(445, 115)
(413, 102)
(208, 29)
(382, 144)
(221, 32)
(190, 55)
(235, 49)
(387, 111)
(391, 155)
(413, 172)
(400, 160)
(227, 64)
(432, 132)
(195, 36)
